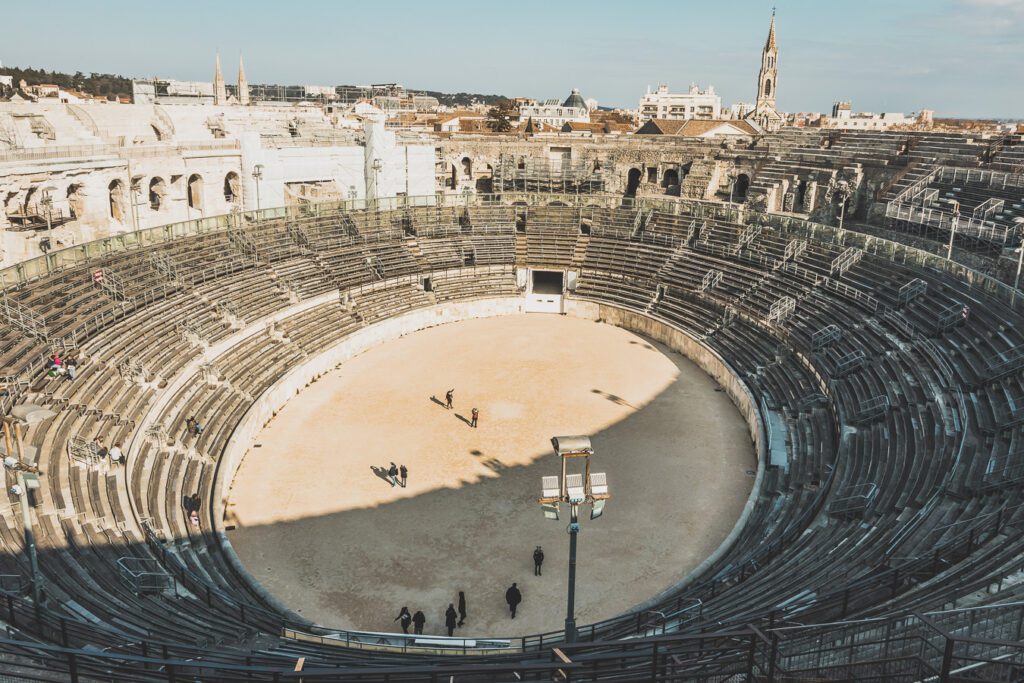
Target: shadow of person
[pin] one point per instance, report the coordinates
(468, 423)
(438, 401)
(381, 472)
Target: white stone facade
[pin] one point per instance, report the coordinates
(693, 104)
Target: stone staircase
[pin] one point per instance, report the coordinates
(579, 251)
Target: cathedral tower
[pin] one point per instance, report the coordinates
(765, 115)
(220, 93)
(243, 84)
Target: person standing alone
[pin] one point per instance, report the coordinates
(538, 560)
(449, 619)
(462, 608)
(476, 416)
(404, 618)
(513, 597)
(448, 398)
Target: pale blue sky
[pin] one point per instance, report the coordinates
(959, 57)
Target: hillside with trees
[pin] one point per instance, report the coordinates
(106, 85)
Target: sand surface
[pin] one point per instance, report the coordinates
(334, 540)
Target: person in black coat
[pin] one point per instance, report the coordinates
(462, 608)
(449, 619)
(405, 618)
(513, 597)
(538, 560)
(418, 620)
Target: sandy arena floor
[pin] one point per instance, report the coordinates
(335, 541)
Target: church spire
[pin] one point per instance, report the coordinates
(243, 84)
(770, 43)
(220, 94)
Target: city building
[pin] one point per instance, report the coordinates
(693, 104)
(551, 113)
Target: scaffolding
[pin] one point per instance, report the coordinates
(871, 408)
(781, 309)
(711, 280)
(84, 452)
(794, 250)
(950, 316)
(244, 244)
(144, 575)
(748, 235)
(853, 500)
(1011, 361)
(164, 265)
(112, 284)
(18, 316)
(846, 260)
(546, 175)
(132, 371)
(850, 362)
(914, 289)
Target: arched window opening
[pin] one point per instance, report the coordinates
(232, 188)
(157, 192)
(195, 191)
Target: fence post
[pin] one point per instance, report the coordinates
(750, 655)
(947, 660)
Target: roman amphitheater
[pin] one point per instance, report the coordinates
(808, 414)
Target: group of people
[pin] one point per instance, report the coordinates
(449, 398)
(395, 472)
(58, 367)
(454, 618)
(116, 455)
(193, 427)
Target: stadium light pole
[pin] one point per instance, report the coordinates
(257, 175)
(575, 489)
(47, 202)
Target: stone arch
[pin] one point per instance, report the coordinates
(32, 203)
(232, 188)
(467, 167)
(741, 186)
(194, 190)
(633, 181)
(157, 192)
(76, 200)
(117, 197)
(670, 181)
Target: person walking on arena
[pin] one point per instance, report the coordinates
(393, 474)
(513, 597)
(404, 618)
(448, 398)
(462, 608)
(418, 620)
(538, 560)
(403, 472)
(476, 416)
(449, 619)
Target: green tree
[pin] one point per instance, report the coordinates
(498, 119)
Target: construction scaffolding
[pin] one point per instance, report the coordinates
(20, 317)
(546, 175)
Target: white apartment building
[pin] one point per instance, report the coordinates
(693, 104)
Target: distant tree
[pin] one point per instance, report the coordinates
(498, 118)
